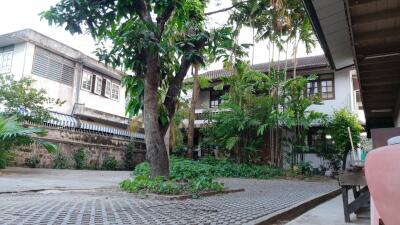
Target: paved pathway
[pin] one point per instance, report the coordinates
(111, 206)
(22, 179)
(328, 213)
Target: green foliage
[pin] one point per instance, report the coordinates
(33, 161)
(129, 154)
(61, 161)
(12, 135)
(3, 159)
(186, 176)
(256, 103)
(183, 169)
(304, 168)
(109, 164)
(276, 21)
(19, 97)
(171, 187)
(174, 30)
(80, 158)
(338, 128)
(179, 151)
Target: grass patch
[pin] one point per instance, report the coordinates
(193, 177)
(186, 177)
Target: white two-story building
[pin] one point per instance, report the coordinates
(92, 92)
(338, 89)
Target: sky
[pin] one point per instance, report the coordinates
(21, 14)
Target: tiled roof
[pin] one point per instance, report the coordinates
(302, 64)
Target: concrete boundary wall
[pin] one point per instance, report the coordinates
(98, 148)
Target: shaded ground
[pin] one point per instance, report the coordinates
(111, 206)
(328, 213)
(22, 179)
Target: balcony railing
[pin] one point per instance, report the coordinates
(205, 114)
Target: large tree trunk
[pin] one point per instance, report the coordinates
(192, 112)
(156, 152)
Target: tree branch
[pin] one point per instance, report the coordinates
(225, 9)
(162, 20)
(173, 91)
(143, 10)
(174, 87)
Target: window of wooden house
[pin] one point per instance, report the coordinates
(216, 97)
(323, 86)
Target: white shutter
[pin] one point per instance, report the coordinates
(98, 84)
(107, 90)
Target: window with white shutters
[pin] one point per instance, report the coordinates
(87, 80)
(6, 56)
(107, 89)
(115, 91)
(98, 86)
(52, 66)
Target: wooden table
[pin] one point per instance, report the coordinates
(354, 180)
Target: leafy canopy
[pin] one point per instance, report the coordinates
(19, 98)
(13, 134)
(276, 20)
(129, 31)
(338, 129)
(250, 109)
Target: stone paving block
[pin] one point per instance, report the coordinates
(262, 197)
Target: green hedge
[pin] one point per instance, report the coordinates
(187, 169)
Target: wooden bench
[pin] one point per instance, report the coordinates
(356, 181)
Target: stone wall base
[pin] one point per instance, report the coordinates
(98, 148)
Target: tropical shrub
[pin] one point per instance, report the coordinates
(109, 164)
(3, 159)
(80, 158)
(61, 161)
(338, 128)
(256, 104)
(130, 154)
(33, 161)
(12, 134)
(304, 168)
(188, 176)
(19, 97)
(184, 169)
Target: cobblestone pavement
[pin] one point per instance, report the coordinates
(262, 197)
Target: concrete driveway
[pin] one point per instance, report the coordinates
(16, 179)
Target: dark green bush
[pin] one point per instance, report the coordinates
(157, 185)
(171, 187)
(304, 168)
(188, 176)
(3, 159)
(109, 164)
(129, 154)
(61, 161)
(33, 161)
(80, 158)
(187, 169)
